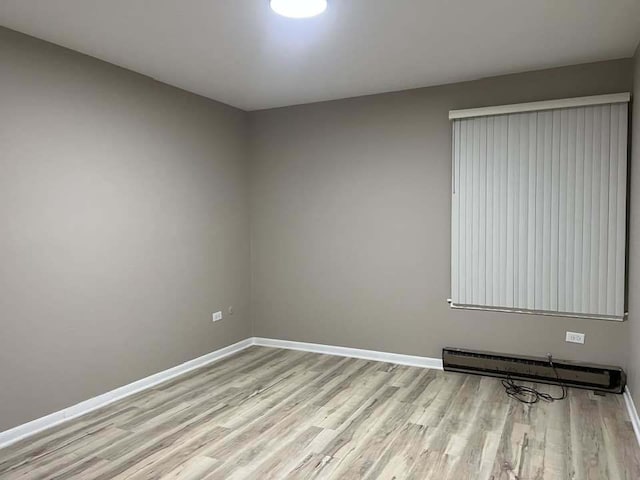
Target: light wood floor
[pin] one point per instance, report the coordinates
(276, 414)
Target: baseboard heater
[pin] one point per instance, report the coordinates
(535, 369)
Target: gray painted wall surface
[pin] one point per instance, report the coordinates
(634, 239)
(124, 207)
(350, 220)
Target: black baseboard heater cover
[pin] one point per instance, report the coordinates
(535, 369)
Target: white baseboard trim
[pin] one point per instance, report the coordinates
(633, 413)
(399, 358)
(25, 430)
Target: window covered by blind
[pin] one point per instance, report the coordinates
(539, 210)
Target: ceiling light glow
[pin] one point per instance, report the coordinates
(298, 8)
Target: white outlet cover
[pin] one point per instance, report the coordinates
(217, 316)
(574, 337)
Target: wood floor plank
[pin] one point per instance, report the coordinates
(400, 454)
(279, 460)
(313, 466)
(368, 450)
(194, 468)
(277, 414)
(167, 460)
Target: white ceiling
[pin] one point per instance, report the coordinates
(241, 53)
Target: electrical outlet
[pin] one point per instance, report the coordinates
(217, 316)
(574, 337)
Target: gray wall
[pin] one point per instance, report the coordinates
(634, 239)
(350, 219)
(124, 207)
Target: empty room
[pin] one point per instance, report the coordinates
(320, 239)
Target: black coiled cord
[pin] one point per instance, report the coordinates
(531, 395)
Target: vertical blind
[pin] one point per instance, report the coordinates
(539, 211)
